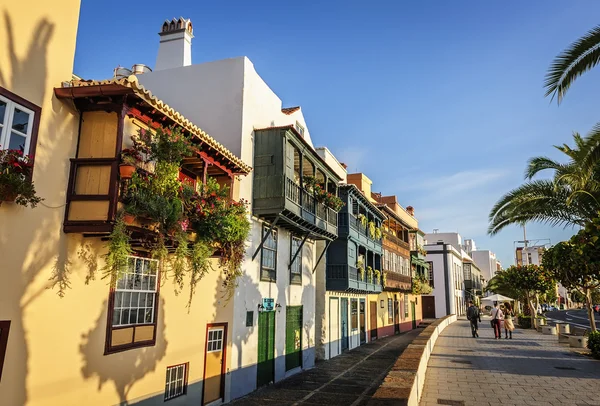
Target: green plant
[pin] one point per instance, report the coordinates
(164, 145)
(361, 268)
(16, 172)
(384, 278)
(363, 220)
(378, 233)
(593, 343)
(371, 229)
(420, 285)
(200, 265)
(524, 321)
(131, 156)
(370, 274)
(377, 273)
(119, 252)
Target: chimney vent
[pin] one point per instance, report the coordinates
(410, 210)
(175, 49)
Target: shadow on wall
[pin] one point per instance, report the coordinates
(125, 368)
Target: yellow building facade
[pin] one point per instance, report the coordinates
(62, 341)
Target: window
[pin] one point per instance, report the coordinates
(133, 307)
(431, 274)
(249, 319)
(268, 256)
(215, 340)
(18, 122)
(296, 266)
(300, 129)
(405, 305)
(4, 328)
(176, 383)
(354, 313)
(390, 311)
(135, 293)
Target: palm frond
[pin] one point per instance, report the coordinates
(539, 201)
(578, 58)
(541, 163)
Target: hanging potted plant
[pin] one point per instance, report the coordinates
(372, 229)
(370, 274)
(361, 268)
(16, 185)
(363, 220)
(130, 158)
(377, 273)
(378, 233)
(384, 278)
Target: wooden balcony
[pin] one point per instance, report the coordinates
(350, 226)
(342, 277)
(397, 282)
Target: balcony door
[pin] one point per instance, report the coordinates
(344, 323)
(362, 322)
(396, 317)
(373, 319)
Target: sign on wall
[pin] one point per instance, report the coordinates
(268, 304)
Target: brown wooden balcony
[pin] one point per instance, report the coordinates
(397, 282)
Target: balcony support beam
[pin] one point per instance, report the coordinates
(269, 230)
(298, 251)
(321, 256)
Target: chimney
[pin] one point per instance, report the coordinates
(410, 210)
(175, 49)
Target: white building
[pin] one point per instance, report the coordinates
(229, 100)
(486, 261)
(448, 278)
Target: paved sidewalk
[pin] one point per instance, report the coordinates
(530, 369)
(348, 379)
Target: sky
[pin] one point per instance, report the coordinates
(438, 102)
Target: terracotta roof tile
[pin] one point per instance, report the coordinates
(290, 110)
(144, 94)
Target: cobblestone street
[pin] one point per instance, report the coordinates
(530, 369)
(348, 379)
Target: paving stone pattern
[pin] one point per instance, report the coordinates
(348, 379)
(530, 369)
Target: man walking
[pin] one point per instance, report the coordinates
(473, 315)
(497, 316)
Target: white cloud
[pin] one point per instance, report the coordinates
(458, 182)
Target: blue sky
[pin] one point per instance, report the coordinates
(438, 102)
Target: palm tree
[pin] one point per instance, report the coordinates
(581, 56)
(572, 197)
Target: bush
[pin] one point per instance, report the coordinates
(524, 321)
(594, 343)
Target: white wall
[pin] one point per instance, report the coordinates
(449, 238)
(486, 261)
(454, 291)
(228, 100)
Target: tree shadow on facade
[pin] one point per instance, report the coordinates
(24, 263)
(135, 363)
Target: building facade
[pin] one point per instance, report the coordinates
(129, 338)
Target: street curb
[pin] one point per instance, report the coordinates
(403, 385)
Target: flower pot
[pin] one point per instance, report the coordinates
(192, 237)
(126, 171)
(128, 219)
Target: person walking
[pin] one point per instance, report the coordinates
(473, 315)
(497, 316)
(509, 315)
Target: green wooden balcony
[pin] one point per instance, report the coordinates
(343, 277)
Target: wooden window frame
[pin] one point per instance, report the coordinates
(186, 373)
(390, 311)
(36, 112)
(272, 273)
(354, 316)
(406, 304)
(108, 347)
(4, 330)
(295, 277)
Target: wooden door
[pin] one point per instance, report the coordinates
(214, 362)
(428, 307)
(396, 317)
(265, 373)
(362, 321)
(334, 327)
(344, 323)
(293, 337)
(373, 319)
(413, 315)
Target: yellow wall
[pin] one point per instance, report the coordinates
(56, 345)
(383, 314)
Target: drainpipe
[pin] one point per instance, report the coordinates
(446, 279)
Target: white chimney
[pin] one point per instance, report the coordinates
(175, 49)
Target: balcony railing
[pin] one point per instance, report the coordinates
(396, 240)
(346, 277)
(304, 199)
(395, 280)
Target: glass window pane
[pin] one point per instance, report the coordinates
(148, 318)
(118, 298)
(135, 297)
(121, 282)
(141, 317)
(126, 299)
(116, 317)
(20, 121)
(16, 141)
(180, 373)
(2, 111)
(125, 316)
(152, 283)
(137, 282)
(133, 317)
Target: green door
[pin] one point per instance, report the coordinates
(265, 373)
(293, 337)
(413, 313)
